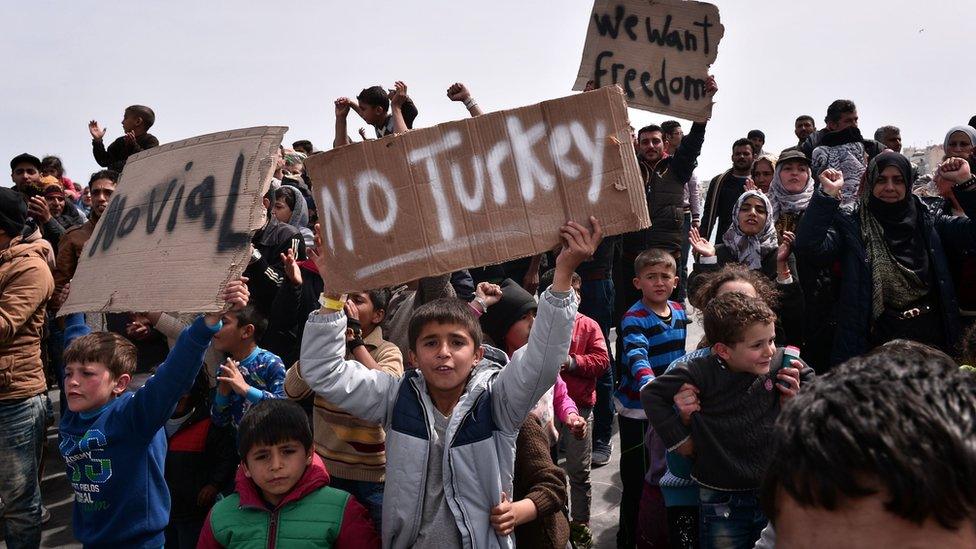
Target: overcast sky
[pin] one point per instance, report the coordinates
(210, 66)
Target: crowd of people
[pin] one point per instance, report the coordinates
(828, 404)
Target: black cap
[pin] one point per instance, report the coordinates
(792, 154)
(13, 212)
(25, 158)
(512, 306)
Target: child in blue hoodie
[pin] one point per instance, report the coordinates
(113, 442)
(250, 374)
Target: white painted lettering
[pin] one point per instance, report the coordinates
(373, 178)
(475, 200)
(338, 214)
(559, 144)
(593, 153)
(526, 164)
(451, 139)
(498, 153)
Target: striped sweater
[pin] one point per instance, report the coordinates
(351, 448)
(650, 346)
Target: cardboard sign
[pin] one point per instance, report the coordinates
(475, 192)
(179, 225)
(658, 51)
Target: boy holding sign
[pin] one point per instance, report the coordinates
(452, 422)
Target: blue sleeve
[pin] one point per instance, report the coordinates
(635, 350)
(274, 382)
(74, 327)
(220, 411)
(153, 404)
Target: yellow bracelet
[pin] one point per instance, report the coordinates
(334, 304)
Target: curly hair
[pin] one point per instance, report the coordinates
(732, 272)
(729, 315)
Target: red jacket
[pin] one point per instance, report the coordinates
(356, 531)
(589, 351)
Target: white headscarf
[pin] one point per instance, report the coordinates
(785, 202)
(749, 250)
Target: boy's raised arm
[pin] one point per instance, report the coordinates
(153, 404)
(534, 368)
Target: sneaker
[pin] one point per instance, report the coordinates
(580, 536)
(45, 515)
(600, 456)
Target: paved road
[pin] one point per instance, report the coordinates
(58, 496)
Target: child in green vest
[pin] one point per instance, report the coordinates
(283, 497)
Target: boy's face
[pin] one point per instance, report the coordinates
(656, 282)
(130, 121)
(281, 211)
(445, 355)
(277, 468)
(90, 385)
(232, 335)
(518, 334)
(753, 354)
(101, 193)
(369, 316)
(373, 115)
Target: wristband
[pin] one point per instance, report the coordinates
(963, 185)
(470, 102)
(484, 306)
(335, 304)
(354, 344)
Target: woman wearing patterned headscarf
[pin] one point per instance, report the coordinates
(895, 280)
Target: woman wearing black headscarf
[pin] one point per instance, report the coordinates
(895, 281)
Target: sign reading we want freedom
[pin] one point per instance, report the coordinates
(475, 192)
(658, 51)
(179, 225)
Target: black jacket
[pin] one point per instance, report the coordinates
(664, 187)
(199, 453)
(723, 191)
(118, 152)
(827, 233)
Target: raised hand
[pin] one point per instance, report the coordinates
(785, 245)
(750, 185)
(831, 181)
(700, 245)
(458, 92)
(579, 244)
(231, 377)
(711, 86)
(292, 271)
(97, 132)
(38, 209)
(955, 170)
(489, 293)
(399, 94)
(342, 106)
(130, 139)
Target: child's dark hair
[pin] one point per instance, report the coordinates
(286, 193)
(117, 353)
(52, 162)
(447, 310)
(303, 145)
(887, 424)
(380, 298)
(546, 278)
(732, 272)
(654, 256)
(728, 316)
(111, 175)
(374, 96)
(250, 315)
(273, 421)
(145, 113)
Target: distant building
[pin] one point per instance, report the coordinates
(926, 158)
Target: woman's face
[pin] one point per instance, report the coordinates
(740, 286)
(960, 145)
(752, 216)
(890, 186)
(762, 175)
(281, 211)
(794, 176)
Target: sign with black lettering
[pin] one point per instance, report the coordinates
(475, 192)
(179, 225)
(658, 51)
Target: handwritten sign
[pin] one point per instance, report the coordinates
(179, 226)
(658, 51)
(475, 192)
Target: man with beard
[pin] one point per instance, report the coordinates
(804, 127)
(724, 190)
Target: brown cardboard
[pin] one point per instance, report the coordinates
(147, 255)
(392, 210)
(658, 51)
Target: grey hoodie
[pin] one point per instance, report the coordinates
(480, 456)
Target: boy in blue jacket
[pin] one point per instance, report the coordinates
(113, 442)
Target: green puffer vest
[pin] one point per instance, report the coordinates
(310, 522)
